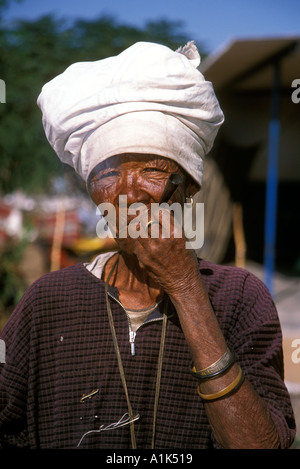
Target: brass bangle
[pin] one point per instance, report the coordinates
(226, 391)
(217, 368)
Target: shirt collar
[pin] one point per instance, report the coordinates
(97, 265)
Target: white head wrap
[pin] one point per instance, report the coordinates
(148, 99)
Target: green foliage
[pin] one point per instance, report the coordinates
(31, 54)
(12, 283)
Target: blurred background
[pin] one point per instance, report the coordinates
(251, 53)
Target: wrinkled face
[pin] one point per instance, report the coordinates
(142, 178)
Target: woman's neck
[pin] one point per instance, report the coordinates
(136, 288)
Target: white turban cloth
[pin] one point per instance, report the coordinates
(148, 99)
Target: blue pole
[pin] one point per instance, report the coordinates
(272, 183)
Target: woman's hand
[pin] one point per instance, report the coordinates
(158, 241)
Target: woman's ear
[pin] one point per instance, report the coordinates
(192, 188)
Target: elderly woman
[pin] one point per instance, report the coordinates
(147, 347)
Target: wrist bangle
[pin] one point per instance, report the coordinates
(226, 391)
(217, 368)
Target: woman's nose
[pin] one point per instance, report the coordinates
(132, 187)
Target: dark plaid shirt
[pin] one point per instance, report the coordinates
(59, 347)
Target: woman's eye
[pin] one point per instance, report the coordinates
(108, 174)
(157, 170)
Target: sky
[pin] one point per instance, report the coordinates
(212, 23)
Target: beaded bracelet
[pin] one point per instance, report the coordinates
(226, 391)
(217, 368)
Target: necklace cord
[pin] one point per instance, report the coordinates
(159, 371)
(120, 364)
